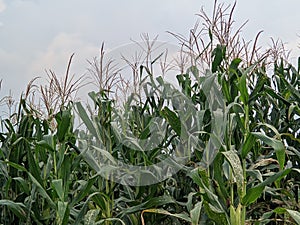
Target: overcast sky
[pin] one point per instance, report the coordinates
(42, 34)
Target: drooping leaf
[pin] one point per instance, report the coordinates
(19, 209)
(110, 219)
(255, 192)
(182, 216)
(42, 191)
(274, 143)
(295, 215)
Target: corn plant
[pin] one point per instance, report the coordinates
(221, 147)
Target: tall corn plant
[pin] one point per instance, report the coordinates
(251, 160)
(42, 176)
(223, 148)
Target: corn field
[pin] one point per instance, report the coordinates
(218, 146)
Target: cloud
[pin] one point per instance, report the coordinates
(2, 6)
(58, 52)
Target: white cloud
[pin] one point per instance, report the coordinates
(58, 53)
(2, 6)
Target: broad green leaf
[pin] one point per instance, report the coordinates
(242, 85)
(153, 202)
(195, 213)
(219, 217)
(42, 191)
(235, 64)
(219, 177)
(255, 192)
(23, 184)
(85, 118)
(47, 142)
(248, 144)
(64, 123)
(262, 79)
(62, 213)
(295, 215)
(84, 191)
(17, 208)
(274, 95)
(172, 119)
(17, 166)
(58, 187)
(218, 56)
(110, 219)
(91, 216)
(236, 166)
(81, 213)
(194, 174)
(182, 216)
(225, 89)
(274, 143)
(291, 88)
(34, 168)
(213, 208)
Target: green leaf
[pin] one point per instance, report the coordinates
(242, 85)
(62, 213)
(295, 215)
(225, 89)
(254, 193)
(42, 191)
(82, 212)
(182, 216)
(219, 177)
(218, 55)
(84, 191)
(23, 183)
(153, 202)
(91, 216)
(248, 144)
(277, 145)
(17, 166)
(110, 219)
(195, 213)
(17, 208)
(58, 187)
(236, 166)
(235, 64)
(85, 118)
(64, 124)
(291, 88)
(262, 79)
(219, 217)
(172, 119)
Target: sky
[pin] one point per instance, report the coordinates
(37, 35)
